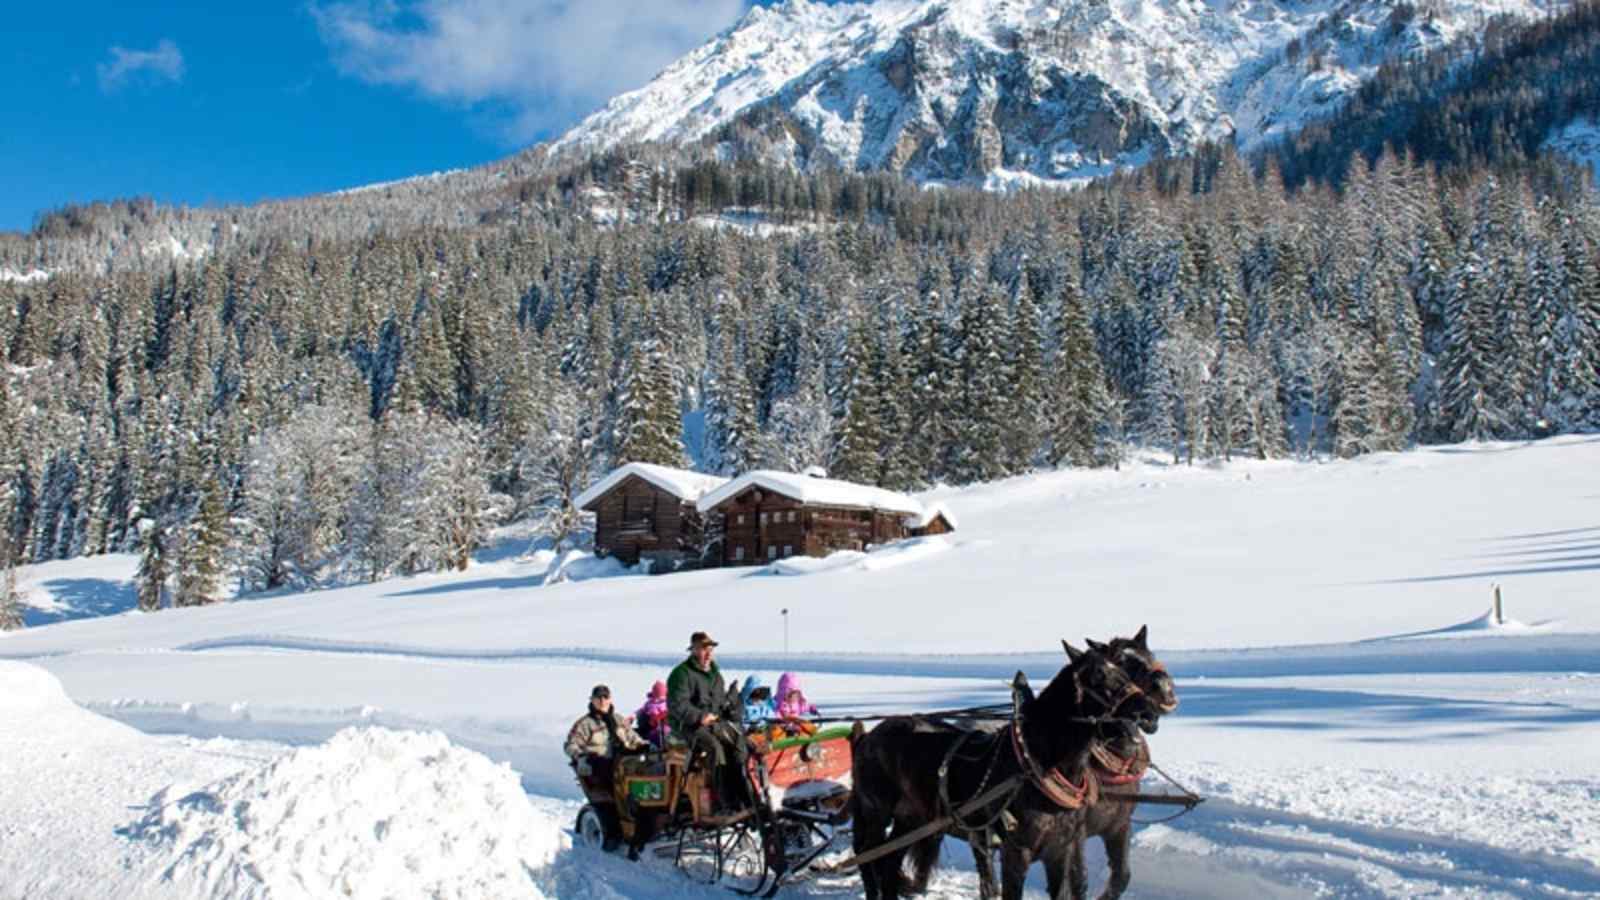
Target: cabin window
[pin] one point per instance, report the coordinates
(763, 518)
(740, 520)
(788, 550)
(772, 551)
(791, 515)
(738, 551)
(635, 508)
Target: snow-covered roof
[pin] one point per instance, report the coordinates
(929, 513)
(681, 483)
(813, 491)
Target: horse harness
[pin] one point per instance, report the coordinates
(1052, 783)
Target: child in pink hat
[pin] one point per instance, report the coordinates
(651, 719)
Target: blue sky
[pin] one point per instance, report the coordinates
(221, 102)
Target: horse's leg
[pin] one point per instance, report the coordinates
(1078, 872)
(891, 871)
(983, 861)
(1014, 862)
(1057, 858)
(1116, 844)
(866, 834)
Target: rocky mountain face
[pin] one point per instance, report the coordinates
(1017, 91)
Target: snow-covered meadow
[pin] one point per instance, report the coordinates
(1361, 726)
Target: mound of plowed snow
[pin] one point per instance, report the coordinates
(30, 689)
(370, 813)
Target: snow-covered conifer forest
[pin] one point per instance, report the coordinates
(894, 335)
(248, 386)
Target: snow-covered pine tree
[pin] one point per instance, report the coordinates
(1352, 417)
(1079, 408)
(649, 425)
(457, 509)
(931, 372)
(1466, 409)
(56, 516)
(731, 431)
(1311, 369)
(898, 469)
(859, 432)
(1579, 327)
(10, 599)
(979, 419)
(150, 584)
(799, 433)
(1185, 386)
(11, 617)
(202, 555)
(1026, 422)
(381, 524)
(554, 464)
(297, 493)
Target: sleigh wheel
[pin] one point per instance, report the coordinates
(590, 828)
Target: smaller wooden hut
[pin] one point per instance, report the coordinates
(766, 515)
(936, 519)
(648, 512)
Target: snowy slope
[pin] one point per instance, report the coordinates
(1382, 739)
(1579, 140)
(1253, 554)
(1009, 90)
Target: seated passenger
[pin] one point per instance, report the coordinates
(593, 744)
(757, 699)
(652, 716)
(793, 707)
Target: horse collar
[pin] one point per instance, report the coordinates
(1115, 769)
(1053, 784)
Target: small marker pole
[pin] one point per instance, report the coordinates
(1499, 610)
(785, 612)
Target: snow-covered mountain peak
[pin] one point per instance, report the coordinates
(1002, 90)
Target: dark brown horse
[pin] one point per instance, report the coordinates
(898, 786)
(1117, 750)
(1119, 762)
(1118, 757)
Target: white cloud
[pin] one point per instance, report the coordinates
(546, 61)
(165, 62)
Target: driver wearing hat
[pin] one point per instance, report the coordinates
(702, 710)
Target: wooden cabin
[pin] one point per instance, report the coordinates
(936, 519)
(766, 516)
(648, 512)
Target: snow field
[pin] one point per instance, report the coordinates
(1360, 727)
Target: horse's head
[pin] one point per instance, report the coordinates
(1158, 694)
(1092, 684)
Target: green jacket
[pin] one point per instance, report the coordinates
(692, 693)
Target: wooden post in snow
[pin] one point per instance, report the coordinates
(1499, 611)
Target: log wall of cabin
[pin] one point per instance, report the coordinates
(637, 517)
(760, 526)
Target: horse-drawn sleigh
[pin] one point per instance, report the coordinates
(801, 786)
(1032, 779)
